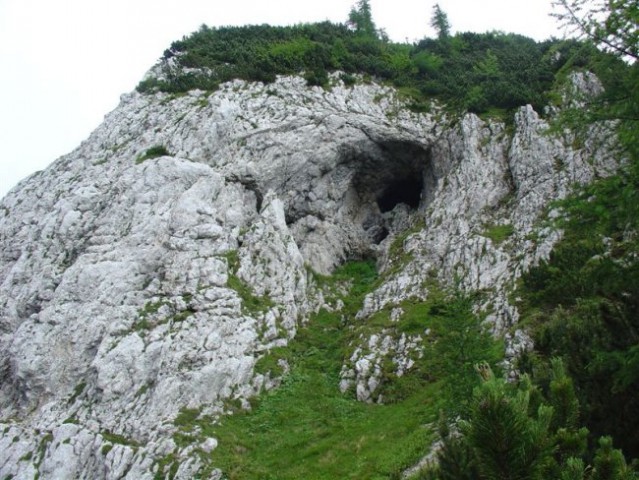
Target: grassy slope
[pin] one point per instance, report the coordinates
(308, 429)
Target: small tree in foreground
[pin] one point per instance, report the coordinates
(513, 433)
(611, 24)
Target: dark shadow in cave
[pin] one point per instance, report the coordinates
(401, 190)
(392, 172)
(388, 173)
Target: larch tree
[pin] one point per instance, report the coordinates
(439, 21)
(360, 18)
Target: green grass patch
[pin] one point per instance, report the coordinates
(498, 233)
(416, 317)
(167, 467)
(143, 389)
(106, 448)
(251, 303)
(26, 457)
(42, 449)
(455, 341)
(149, 309)
(183, 315)
(77, 391)
(153, 152)
(269, 363)
(186, 418)
(119, 439)
(397, 255)
(307, 428)
(152, 307)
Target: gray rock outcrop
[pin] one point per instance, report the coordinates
(125, 281)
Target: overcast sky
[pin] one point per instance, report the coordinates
(64, 63)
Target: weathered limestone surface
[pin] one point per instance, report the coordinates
(119, 297)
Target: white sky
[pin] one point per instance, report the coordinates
(64, 63)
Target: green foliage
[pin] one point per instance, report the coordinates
(153, 152)
(611, 24)
(509, 443)
(491, 70)
(118, 439)
(427, 63)
(307, 428)
(609, 463)
(498, 233)
(360, 19)
(251, 303)
(439, 21)
(512, 431)
(582, 304)
(468, 71)
(460, 342)
(562, 397)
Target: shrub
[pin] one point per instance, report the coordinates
(153, 152)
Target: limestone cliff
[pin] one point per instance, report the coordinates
(150, 268)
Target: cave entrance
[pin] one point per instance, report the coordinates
(390, 173)
(391, 180)
(403, 190)
(374, 189)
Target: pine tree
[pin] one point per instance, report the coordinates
(573, 470)
(563, 398)
(439, 21)
(609, 463)
(509, 444)
(455, 458)
(360, 19)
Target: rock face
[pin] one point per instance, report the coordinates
(133, 287)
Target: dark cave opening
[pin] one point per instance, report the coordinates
(388, 174)
(392, 172)
(353, 205)
(402, 190)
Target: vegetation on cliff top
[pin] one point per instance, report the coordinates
(479, 72)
